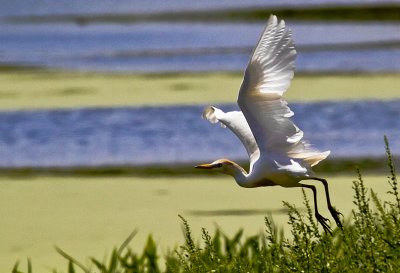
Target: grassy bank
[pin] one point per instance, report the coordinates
(38, 89)
(89, 216)
(330, 166)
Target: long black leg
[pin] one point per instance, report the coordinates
(335, 214)
(322, 220)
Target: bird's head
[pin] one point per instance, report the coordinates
(222, 165)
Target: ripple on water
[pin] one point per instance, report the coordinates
(149, 135)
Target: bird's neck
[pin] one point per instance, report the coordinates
(239, 174)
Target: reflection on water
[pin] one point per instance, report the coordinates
(137, 136)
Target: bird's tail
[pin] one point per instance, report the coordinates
(311, 158)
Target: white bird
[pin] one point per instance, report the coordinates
(278, 153)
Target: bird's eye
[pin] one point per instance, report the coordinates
(219, 165)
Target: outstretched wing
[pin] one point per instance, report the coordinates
(237, 123)
(266, 78)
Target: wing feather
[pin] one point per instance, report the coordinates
(267, 77)
(237, 123)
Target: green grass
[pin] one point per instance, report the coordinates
(368, 242)
(38, 89)
(336, 166)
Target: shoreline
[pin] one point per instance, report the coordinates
(335, 166)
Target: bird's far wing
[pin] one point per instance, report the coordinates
(237, 123)
(271, 67)
(266, 78)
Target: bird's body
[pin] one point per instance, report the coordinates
(264, 173)
(278, 153)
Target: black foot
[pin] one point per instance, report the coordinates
(335, 215)
(324, 223)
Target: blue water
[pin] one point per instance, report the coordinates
(157, 47)
(147, 47)
(40, 7)
(137, 136)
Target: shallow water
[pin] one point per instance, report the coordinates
(156, 47)
(34, 7)
(136, 136)
(166, 47)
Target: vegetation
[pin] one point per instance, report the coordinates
(369, 242)
(44, 89)
(327, 167)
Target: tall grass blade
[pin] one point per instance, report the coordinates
(71, 268)
(150, 255)
(29, 266)
(127, 241)
(113, 262)
(99, 265)
(72, 260)
(15, 268)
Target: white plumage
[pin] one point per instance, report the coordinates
(278, 153)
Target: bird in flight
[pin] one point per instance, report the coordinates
(278, 153)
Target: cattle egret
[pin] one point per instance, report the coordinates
(278, 153)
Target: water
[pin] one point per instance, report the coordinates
(148, 135)
(40, 7)
(156, 47)
(137, 136)
(176, 47)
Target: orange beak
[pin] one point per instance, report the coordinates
(204, 166)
